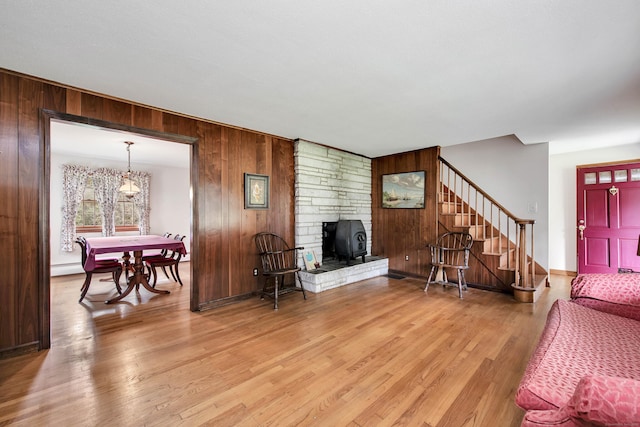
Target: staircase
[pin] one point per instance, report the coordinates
(502, 257)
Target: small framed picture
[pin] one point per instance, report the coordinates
(256, 191)
(310, 261)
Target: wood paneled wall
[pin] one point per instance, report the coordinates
(223, 229)
(398, 233)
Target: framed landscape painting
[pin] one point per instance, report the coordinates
(403, 190)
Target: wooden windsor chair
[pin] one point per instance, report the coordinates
(451, 251)
(278, 260)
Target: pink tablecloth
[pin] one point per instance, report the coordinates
(115, 244)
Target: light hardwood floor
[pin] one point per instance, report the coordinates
(375, 353)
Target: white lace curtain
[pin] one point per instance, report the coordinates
(106, 184)
(73, 183)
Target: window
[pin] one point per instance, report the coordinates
(604, 177)
(620, 176)
(89, 217)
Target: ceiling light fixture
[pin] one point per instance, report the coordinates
(129, 188)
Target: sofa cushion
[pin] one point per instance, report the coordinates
(575, 342)
(612, 293)
(597, 400)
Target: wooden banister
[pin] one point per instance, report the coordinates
(503, 232)
(479, 190)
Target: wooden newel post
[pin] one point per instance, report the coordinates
(524, 285)
(522, 255)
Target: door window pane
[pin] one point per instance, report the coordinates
(635, 174)
(590, 178)
(620, 176)
(605, 177)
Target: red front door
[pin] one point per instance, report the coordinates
(608, 218)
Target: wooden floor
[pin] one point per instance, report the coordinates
(375, 353)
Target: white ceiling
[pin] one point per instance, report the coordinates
(369, 76)
(99, 143)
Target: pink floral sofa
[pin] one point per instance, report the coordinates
(585, 370)
(612, 293)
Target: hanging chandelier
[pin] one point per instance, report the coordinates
(129, 188)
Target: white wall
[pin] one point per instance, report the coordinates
(514, 174)
(562, 199)
(170, 204)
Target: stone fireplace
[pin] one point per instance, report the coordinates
(331, 185)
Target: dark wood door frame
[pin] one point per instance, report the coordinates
(44, 164)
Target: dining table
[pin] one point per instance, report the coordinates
(127, 245)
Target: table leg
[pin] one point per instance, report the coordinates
(137, 279)
(126, 265)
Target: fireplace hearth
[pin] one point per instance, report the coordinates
(333, 274)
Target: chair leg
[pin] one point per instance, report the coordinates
(275, 294)
(85, 287)
(176, 271)
(304, 294)
(433, 273)
(460, 279)
(264, 287)
(116, 278)
(155, 275)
